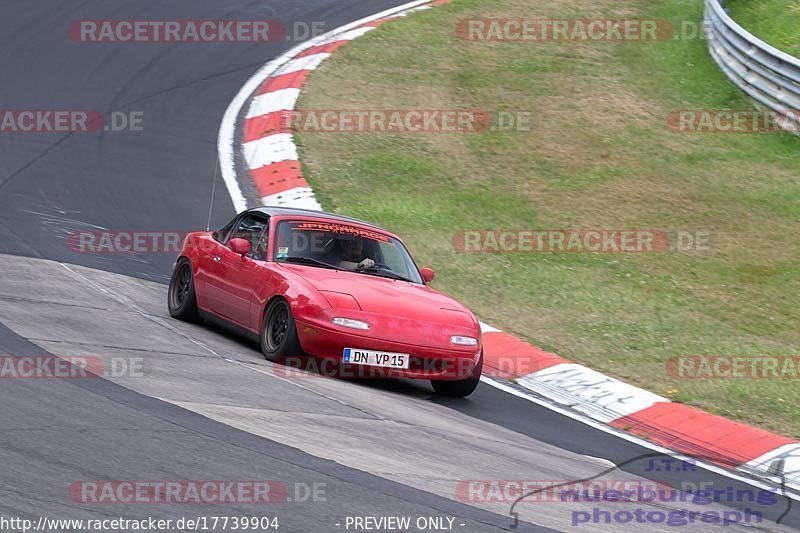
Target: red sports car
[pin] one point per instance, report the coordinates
(307, 283)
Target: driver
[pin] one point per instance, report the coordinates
(352, 254)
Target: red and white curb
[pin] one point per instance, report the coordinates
(270, 154)
(267, 147)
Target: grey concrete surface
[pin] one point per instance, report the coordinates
(401, 436)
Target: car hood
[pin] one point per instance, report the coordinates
(385, 296)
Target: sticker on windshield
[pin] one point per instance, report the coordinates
(341, 229)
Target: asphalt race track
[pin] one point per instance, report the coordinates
(158, 179)
(204, 405)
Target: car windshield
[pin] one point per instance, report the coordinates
(344, 247)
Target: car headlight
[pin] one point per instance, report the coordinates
(351, 323)
(464, 341)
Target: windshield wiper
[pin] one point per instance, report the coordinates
(385, 273)
(309, 261)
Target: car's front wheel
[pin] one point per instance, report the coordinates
(181, 298)
(460, 388)
(279, 332)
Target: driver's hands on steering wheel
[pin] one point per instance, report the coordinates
(366, 263)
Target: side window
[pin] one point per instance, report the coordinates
(393, 258)
(253, 229)
(221, 235)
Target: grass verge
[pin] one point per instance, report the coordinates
(598, 154)
(776, 22)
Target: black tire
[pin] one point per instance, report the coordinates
(460, 388)
(181, 298)
(279, 332)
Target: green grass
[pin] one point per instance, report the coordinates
(776, 22)
(599, 155)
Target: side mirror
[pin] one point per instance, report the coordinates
(427, 274)
(240, 246)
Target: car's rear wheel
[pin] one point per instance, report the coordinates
(279, 332)
(460, 388)
(181, 298)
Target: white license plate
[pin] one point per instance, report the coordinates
(355, 356)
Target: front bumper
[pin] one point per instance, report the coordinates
(425, 362)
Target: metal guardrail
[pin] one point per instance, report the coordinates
(766, 74)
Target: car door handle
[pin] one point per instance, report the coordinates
(217, 259)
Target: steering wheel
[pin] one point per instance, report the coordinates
(381, 266)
